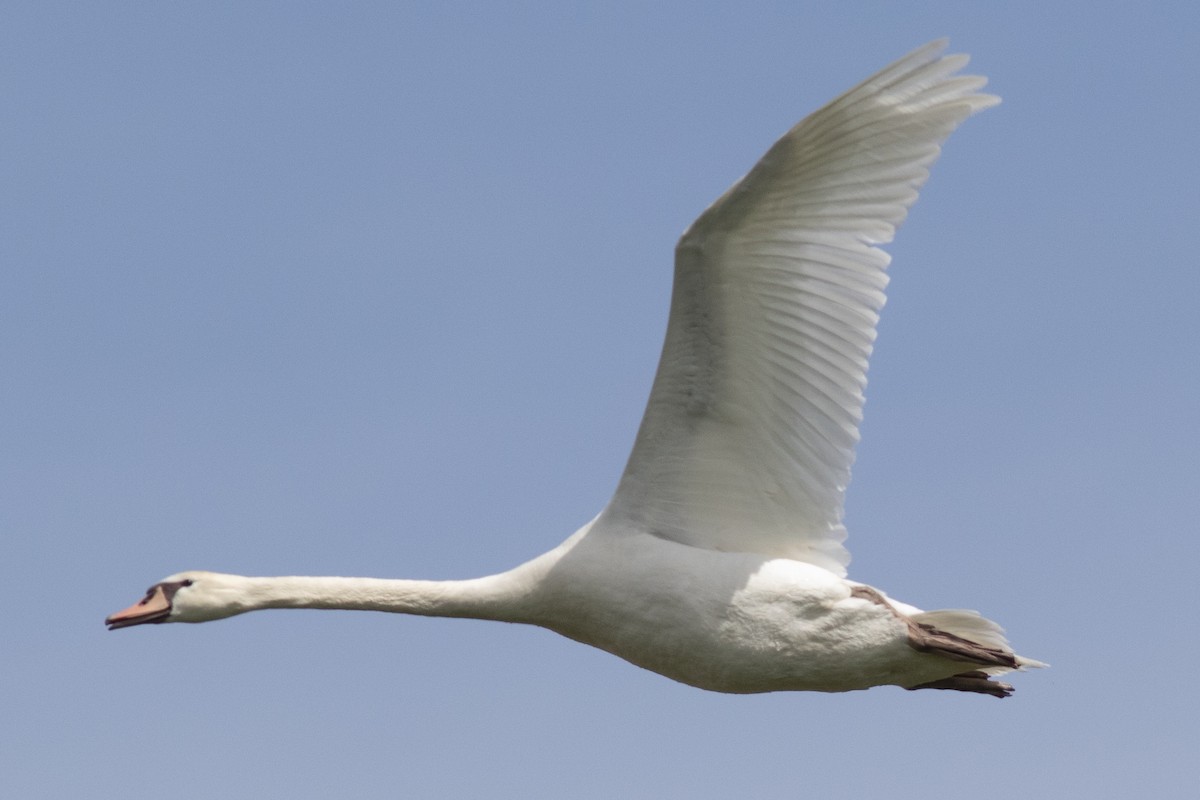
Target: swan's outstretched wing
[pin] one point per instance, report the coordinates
(750, 429)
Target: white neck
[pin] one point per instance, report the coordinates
(513, 596)
(494, 597)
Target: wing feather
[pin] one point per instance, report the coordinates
(750, 429)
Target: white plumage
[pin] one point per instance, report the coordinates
(750, 431)
(719, 561)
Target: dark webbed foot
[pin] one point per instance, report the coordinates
(974, 681)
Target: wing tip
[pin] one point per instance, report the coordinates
(926, 67)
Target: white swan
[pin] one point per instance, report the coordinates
(719, 561)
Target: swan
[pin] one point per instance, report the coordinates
(719, 560)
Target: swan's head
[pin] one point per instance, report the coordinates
(185, 597)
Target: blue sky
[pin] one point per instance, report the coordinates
(379, 289)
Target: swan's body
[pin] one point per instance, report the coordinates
(719, 561)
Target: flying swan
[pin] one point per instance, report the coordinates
(719, 561)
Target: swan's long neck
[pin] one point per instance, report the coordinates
(513, 596)
(493, 597)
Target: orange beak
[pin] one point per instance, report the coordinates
(154, 607)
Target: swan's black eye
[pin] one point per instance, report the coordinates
(187, 582)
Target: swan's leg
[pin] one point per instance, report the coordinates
(925, 638)
(974, 681)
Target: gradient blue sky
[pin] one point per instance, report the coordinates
(378, 289)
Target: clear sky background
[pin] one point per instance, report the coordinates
(379, 289)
